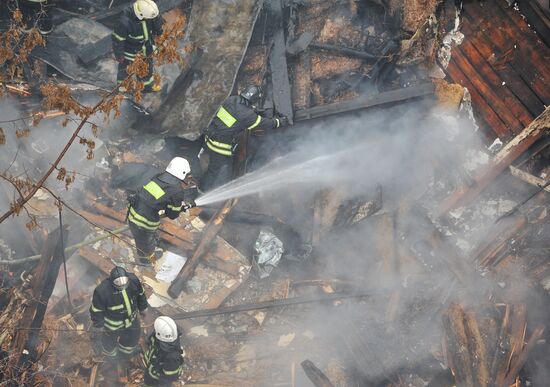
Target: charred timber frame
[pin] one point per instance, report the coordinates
(43, 281)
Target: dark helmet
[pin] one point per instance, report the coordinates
(252, 94)
(119, 278)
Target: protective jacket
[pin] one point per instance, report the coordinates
(163, 192)
(233, 117)
(132, 35)
(117, 309)
(163, 360)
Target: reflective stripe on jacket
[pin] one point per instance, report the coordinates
(162, 192)
(132, 35)
(115, 309)
(161, 365)
(232, 118)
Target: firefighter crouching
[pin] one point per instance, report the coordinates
(116, 302)
(164, 356)
(135, 33)
(237, 114)
(163, 193)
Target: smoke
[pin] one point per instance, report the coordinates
(418, 156)
(356, 154)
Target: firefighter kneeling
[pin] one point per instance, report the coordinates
(164, 356)
(114, 312)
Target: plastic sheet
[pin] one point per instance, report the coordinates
(268, 251)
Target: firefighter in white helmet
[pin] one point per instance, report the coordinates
(134, 33)
(163, 193)
(164, 355)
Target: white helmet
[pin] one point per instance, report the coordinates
(166, 329)
(179, 167)
(146, 9)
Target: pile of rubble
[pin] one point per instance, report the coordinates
(431, 282)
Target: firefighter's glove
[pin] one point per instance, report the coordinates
(120, 59)
(189, 205)
(282, 121)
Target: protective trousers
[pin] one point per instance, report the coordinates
(218, 172)
(123, 341)
(148, 80)
(148, 381)
(146, 242)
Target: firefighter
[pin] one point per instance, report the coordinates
(114, 312)
(135, 33)
(236, 115)
(164, 356)
(163, 193)
(35, 14)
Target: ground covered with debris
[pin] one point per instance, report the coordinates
(393, 235)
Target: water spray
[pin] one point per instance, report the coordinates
(278, 174)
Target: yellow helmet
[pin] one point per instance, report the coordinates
(146, 9)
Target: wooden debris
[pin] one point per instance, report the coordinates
(477, 349)
(528, 178)
(517, 365)
(315, 375)
(449, 95)
(24, 344)
(494, 244)
(93, 375)
(457, 342)
(204, 245)
(499, 365)
(510, 152)
(384, 98)
(278, 64)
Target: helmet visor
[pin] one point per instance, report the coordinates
(121, 282)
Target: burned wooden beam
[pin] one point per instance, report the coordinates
(26, 339)
(510, 152)
(495, 242)
(478, 350)
(499, 364)
(384, 98)
(457, 341)
(516, 366)
(278, 64)
(528, 178)
(211, 230)
(315, 375)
